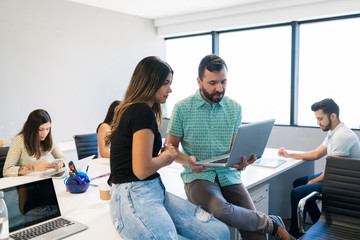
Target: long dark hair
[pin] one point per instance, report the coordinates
(30, 132)
(110, 113)
(149, 75)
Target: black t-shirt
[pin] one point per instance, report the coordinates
(137, 117)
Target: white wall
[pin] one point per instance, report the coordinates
(70, 59)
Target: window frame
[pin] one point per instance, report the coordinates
(295, 42)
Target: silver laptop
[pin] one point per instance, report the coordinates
(34, 212)
(250, 139)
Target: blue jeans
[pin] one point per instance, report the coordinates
(301, 190)
(144, 210)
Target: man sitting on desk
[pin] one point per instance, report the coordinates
(340, 141)
(206, 125)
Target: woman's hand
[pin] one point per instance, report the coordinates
(58, 164)
(43, 166)
(39, 167)
(170, 154)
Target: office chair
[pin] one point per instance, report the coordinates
(3, 153)
(86, 145)
(340, 198)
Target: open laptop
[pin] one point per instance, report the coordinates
(250, 139)
(34, 212)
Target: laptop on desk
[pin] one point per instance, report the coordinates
(34, 212)
(250, 139)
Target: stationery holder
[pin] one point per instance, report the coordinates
(77, 184)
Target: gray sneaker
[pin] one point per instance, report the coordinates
(278, 220)
(279, 232)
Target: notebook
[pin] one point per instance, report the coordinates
(34, 212)
(269, 162)
(250, 139)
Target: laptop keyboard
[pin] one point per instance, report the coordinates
(41, 229)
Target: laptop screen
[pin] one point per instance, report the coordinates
(31, 203)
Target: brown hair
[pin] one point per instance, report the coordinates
(149, 75)
(30, 132)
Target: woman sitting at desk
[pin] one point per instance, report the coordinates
(104, 128)
(31, 148)
(140, 207)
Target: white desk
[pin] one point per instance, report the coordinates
(85, 207)
(90, 210)
(255, 175)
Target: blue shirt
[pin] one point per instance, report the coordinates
(206, 131)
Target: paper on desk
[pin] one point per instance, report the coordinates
(97, 181)
(62, 173)
(82, 164)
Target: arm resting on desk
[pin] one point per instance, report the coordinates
(301, 208)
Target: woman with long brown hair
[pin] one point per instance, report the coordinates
(30, 150)
(140, 207)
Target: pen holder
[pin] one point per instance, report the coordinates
(77, 184)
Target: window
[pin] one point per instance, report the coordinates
(184, 56)
(329, 68)
(259, 64)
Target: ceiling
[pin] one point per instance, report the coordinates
(154, 9)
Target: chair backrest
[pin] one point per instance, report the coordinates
(3, 153)
(341, 192)
(86, 145)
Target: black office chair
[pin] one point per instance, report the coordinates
(3, 153)
(86, 145)
(340, 215)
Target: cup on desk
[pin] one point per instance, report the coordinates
(104, 190)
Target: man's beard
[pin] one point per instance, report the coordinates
(210, 97)
(327, 127)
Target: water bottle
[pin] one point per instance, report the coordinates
(4, 221)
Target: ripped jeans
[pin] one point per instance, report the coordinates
(144, 210)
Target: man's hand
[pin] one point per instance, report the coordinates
(283, 153)
(244, 163)
(194, 168)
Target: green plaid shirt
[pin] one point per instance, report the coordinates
(206, 131)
